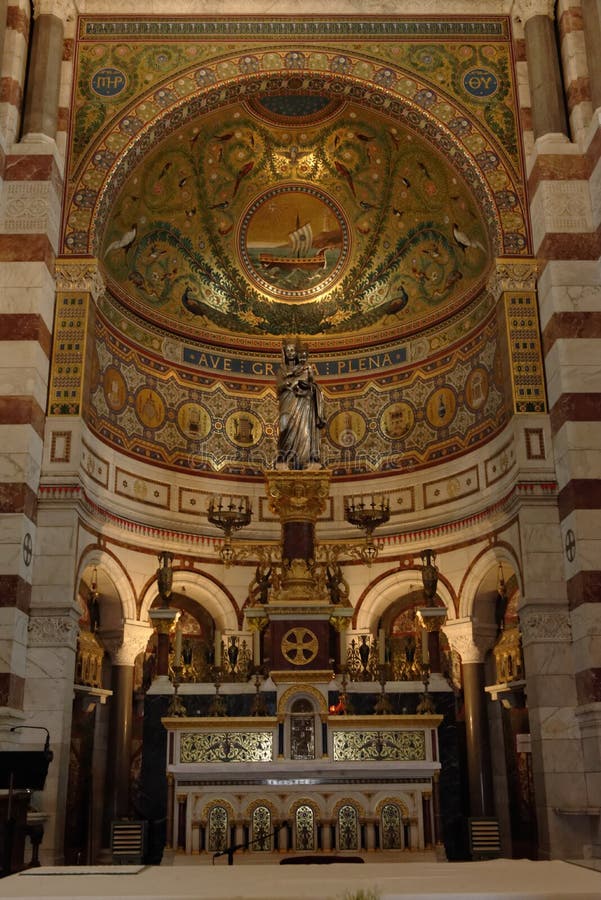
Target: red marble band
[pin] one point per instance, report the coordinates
(571, 325)
(22, 411)
(18, 20)
(25, 327)
(584, 587)
(579, 493)
(18, 498)
(15, 592)
(27, 248)
(575, 407)
(11, 690)
(588, 686)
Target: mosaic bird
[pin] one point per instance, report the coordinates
(424, 169)
(164, 170)
(124, 242)
(342, 170)
(190, 302)
(242, 173)
(463, 241)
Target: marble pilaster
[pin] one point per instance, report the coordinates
(591, 14)
(544, 70)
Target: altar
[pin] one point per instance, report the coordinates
(303, 781)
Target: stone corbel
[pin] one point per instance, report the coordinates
(470, 640)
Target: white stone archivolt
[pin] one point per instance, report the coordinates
(486, 568)
(202, 590)
(390, 589)
(97, 558)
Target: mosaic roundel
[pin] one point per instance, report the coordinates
(294, 241)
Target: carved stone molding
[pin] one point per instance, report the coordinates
(512, 275)
(528, 9)
(544, 626)
(79, 275)
(470, 640)
(123, 647)
(53, 631)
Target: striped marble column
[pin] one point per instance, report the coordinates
(30, 210)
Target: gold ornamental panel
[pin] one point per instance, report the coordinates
(380, 745)
(229, 746)
(298, 496)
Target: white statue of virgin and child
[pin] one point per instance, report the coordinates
(301, 416)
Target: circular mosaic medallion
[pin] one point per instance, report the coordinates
(115, 390)
(397, 420)
(481, 83)
(193, 420)
(476, 388)
(243, 428)
(347, 429)
(441, 406)
(108, 82)
(150, 408)
(294, 242)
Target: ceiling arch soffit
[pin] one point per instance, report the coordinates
(382, 594)
(100, 559)
(202, 589)
(486, 562)
(121, 150)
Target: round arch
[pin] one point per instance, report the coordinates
(96, 557)
(486, 563)
(388, 589)
(204, 591)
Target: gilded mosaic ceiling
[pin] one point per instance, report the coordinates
(241, 179)
(339, 223)
(233, 179)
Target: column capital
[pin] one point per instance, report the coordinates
(123, 647)
(62, 9)
(470, 639)
(512, 275)
(528, 9)
(79, 275)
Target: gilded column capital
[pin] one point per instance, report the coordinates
(469, 639)
(528, 9)
(79, 275)
(512, 275)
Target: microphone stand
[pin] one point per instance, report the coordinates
(229, 851)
